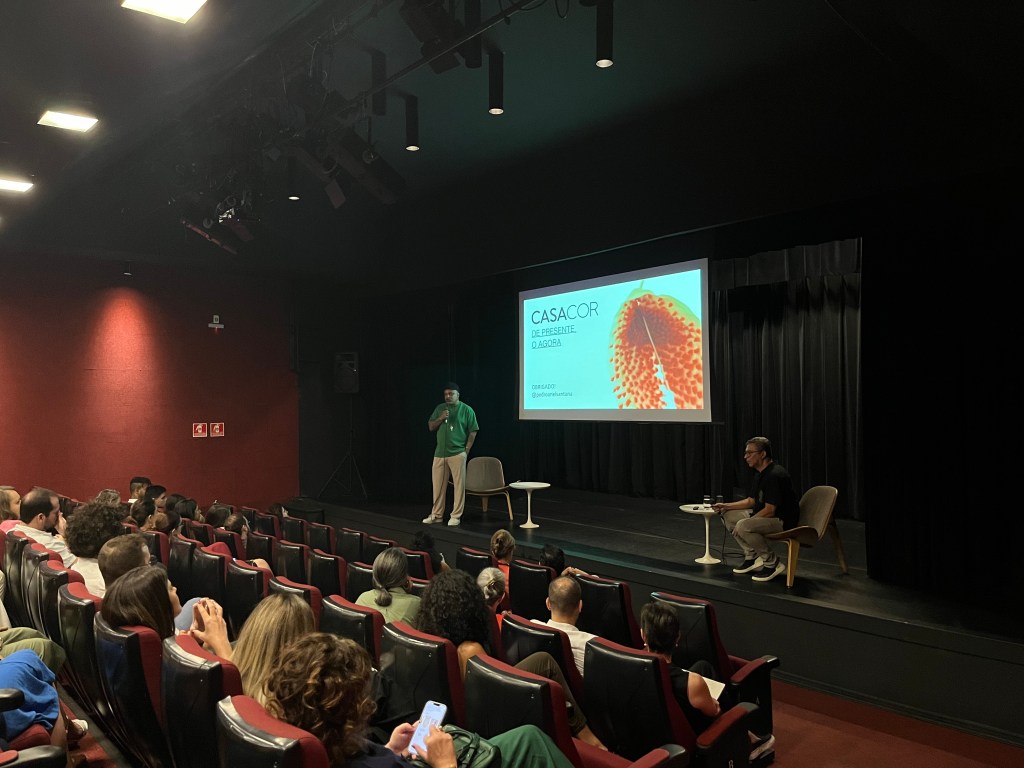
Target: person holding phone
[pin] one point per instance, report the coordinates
(320, 683)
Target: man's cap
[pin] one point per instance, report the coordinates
(453, 385)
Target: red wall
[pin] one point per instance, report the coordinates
(102, 376)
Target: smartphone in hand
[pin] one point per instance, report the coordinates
(433, 714)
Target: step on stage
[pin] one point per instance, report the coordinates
(848, 635)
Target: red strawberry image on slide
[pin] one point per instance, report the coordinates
(656, 353)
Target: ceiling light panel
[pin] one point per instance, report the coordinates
(12, 185)
(175, 10)
(67, 121)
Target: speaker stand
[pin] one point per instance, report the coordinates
(347, 466)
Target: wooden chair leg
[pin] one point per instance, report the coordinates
(483, 502)
(508, 501)
(794, 555)
(840, 556)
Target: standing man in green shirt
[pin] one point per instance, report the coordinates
(456, 427)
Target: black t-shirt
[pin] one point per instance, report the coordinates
(774, 486)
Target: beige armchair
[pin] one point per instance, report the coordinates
(816, 508)
(485, 478)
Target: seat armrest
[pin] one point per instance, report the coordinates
(665, 756)
(726, 742)
(752, 682)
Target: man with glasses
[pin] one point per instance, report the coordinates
(772, 506)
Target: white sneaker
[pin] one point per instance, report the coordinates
(763, 747)
(430, 520)
(454, 521)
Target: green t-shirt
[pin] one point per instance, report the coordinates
(451, 437)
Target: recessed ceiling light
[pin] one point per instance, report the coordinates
(67, 121)
(175, 10)
(10, 185)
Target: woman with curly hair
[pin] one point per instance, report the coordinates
(453, 606)
(92, 526)
(320, 683)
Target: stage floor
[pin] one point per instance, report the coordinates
(844, 634)
(656, 537)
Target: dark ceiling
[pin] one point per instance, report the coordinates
(190, 158)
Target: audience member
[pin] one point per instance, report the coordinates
(142, 510)
(108, 497)
(87, 531)
(553, 557)
(565, 603)
(158, 495)
(391, 593)
(321, 683)
(422, 541)
(216, 514)
(137, 487)
(167, 523)
(771, 507)
(453, 607)
(25, 672)
(187, 509)
(275, 622)
(236, 523)
(10, 507)
(40, 514)
(659, 628)
(503, 548)
(172, 501)
(122, 554)
(492, 583)
(144, 596)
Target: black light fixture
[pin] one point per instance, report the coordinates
(370, 153)
(605, 28)
(127, 271)
(412, 123)
(293, 193)
(496, 81)
(473, 49)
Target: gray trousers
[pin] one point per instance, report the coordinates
(749, 532)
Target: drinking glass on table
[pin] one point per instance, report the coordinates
(707, 500)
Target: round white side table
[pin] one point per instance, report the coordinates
(708, 513)
(529, 487)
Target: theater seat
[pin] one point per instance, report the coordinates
(194, 680)
(419, 667)
(500, 697)
(528, 588)
(472, 561)
(748, 680)
(358, 579)
(248, 736)
(130, 660)
(521, 637)
(323, 537)
(307, 592)
(31, 748)
(631, 707)
(608, 610)
(328, 573)
(244, 586)
(360, 623)
(77, 608)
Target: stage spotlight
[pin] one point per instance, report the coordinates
(435, 29)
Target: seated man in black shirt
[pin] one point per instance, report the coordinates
(772, 506)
